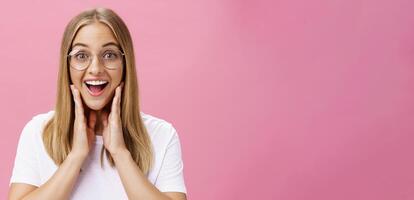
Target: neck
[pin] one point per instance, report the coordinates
(99, 124)
(99, 120)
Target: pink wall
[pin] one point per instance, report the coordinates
(287, 100)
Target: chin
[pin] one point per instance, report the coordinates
(96, 104)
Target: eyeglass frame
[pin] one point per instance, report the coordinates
(73, 52)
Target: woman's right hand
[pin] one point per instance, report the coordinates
(83, 130)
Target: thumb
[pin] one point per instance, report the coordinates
(104, 118)
(92, 120)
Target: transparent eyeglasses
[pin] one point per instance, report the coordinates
(80, 59)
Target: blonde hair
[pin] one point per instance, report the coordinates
(57, 135)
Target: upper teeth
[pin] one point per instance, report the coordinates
(97, 82)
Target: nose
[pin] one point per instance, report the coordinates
(95, 67)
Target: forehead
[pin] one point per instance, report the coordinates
(94, 36)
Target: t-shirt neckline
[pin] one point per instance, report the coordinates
(98, 139)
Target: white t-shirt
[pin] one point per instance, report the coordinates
(33, 165)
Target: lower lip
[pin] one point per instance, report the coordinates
(95, 94)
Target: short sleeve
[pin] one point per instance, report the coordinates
(26, 166)
(171, 177)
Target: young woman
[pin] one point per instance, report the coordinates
(97, 144)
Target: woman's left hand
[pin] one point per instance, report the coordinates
(112, 126)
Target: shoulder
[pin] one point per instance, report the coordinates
(160, 131)
(151, 120)
(34, 127)
(42, 118)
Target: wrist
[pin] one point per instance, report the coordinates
(80, 157)
(75, 160)
(121, 154)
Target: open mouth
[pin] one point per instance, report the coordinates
(96, 87)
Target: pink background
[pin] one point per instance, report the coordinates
(287, 100)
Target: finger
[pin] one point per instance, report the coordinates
(92, 120)
(120, 96)
(72, 88)
(78, 102)
(115, 101)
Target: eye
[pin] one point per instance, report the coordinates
(110, 55)
(81, 56)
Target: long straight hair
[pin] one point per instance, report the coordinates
(58, 132)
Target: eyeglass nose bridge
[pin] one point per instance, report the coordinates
(90, 61)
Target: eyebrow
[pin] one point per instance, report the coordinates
(105, 45)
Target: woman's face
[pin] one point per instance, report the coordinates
(96, 82)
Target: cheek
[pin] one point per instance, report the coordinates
(116, 78)
(76, 78)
